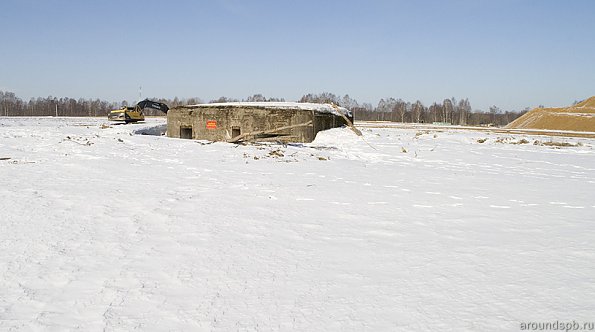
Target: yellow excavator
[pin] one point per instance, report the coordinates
(135, 113)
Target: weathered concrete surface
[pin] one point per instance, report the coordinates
(221, 123)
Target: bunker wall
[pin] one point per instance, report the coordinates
(224, 123)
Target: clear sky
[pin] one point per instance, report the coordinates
(509, 53)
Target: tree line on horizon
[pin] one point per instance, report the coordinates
(450, 110)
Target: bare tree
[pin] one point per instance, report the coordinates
(464, 107)
(401, 108)
(348, 102)
(223, 99)
(323, 98)
(386, 108)
(447, 110)
(417, 109)
(435, 111)
(190, 101)
(256, 98)
(260, 98)
(493, 111)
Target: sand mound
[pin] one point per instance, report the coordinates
(580, 117)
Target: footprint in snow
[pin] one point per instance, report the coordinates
(185, 275)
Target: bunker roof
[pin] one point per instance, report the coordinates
(321, 108)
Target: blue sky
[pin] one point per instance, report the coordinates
(509, 53)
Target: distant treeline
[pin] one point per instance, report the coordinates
(451, 110)
(11, 105)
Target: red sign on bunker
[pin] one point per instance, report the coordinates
(211, 124)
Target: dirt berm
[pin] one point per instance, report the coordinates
(579, 117)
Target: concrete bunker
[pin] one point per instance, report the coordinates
(248, 121)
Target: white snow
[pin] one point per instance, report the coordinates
(405, 230)
(322, 108)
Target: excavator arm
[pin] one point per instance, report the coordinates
(152, 104)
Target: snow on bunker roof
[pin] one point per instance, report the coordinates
(321, 108)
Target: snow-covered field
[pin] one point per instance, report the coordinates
(408, 230)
